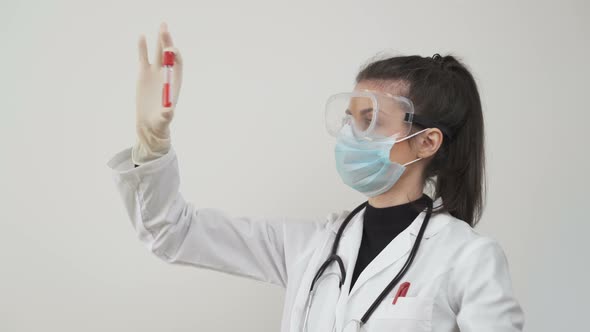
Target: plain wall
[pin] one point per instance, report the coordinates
(250, 138)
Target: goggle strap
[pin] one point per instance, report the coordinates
(423, 121)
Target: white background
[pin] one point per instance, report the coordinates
(250, 137)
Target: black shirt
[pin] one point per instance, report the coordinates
(380, 226)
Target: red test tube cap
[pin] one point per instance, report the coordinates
(168, 59)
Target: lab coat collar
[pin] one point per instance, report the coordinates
(414, 228)
(436, 223)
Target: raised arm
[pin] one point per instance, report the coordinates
(180, 232)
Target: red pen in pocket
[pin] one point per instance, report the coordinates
(401, 291)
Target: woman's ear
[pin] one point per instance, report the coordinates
(427, 143)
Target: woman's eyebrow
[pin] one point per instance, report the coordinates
(366, 110)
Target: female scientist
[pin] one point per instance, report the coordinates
(397, 262)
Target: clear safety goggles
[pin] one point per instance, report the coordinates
(369, 115)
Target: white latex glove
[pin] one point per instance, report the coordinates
(153, 119)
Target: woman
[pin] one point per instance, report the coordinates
(399, 261)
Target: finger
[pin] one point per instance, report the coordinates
(166, 39)
(168, 112)
(158, 54)
(142, 50)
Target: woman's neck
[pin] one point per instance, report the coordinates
(408, 188)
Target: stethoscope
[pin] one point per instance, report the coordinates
(335, 258)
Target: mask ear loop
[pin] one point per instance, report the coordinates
(411, 162)
(405, 138)
(414, 134)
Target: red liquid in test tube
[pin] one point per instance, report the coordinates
(168, 63)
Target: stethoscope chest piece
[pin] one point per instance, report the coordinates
(352, 326)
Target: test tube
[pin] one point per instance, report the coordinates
(168, 63)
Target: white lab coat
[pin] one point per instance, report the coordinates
(459, 279)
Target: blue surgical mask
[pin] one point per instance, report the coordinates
(365, 165)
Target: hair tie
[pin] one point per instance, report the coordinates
(437, 58)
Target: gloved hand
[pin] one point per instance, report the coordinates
(152, 118)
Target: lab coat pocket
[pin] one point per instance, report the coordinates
(408, 314)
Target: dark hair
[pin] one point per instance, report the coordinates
(443, 91)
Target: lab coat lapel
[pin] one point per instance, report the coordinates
(298, 310)
(348, 250)
(347, 245)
